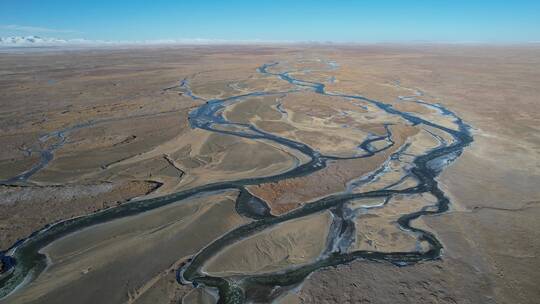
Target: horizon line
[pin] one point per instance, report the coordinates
(27, 42)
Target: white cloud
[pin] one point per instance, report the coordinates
(34, 29)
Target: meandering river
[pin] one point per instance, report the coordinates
(24, 262)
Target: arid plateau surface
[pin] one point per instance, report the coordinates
(270, 174)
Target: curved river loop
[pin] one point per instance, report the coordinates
(23, 262)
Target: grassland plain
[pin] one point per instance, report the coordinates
(84, 131)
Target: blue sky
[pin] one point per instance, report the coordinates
(276, 20)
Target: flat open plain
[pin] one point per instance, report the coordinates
(288, 174)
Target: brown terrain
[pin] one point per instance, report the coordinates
(289, 194)
(28, 208)
(116, 122)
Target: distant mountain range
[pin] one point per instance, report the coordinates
(37, 41)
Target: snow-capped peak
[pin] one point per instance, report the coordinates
(30, 40)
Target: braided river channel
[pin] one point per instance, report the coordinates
(25, 262)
